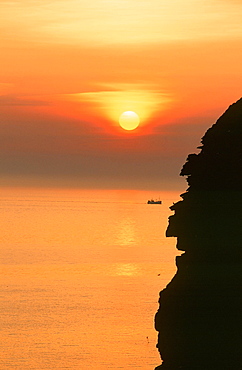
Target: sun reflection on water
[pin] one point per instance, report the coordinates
(126, 269)
(126, 233)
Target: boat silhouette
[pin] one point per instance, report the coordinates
(152, 201)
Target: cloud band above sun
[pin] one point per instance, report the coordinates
(112, 103)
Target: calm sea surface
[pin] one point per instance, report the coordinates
(80, 276)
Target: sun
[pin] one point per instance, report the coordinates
(129, 120)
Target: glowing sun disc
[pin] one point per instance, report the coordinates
(129, 120)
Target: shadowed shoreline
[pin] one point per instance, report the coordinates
(199, 319)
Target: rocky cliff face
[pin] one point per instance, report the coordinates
(199, 319)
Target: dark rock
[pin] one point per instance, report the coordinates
(199, 319)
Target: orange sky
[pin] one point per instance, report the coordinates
(70, 68)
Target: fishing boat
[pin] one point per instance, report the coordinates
(152, 201)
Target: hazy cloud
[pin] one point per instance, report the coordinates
(13, 100)
(63, 153)
(112, 22)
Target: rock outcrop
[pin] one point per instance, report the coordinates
(199, 319)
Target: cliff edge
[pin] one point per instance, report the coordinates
(199, 319)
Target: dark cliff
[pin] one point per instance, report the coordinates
(199, 319)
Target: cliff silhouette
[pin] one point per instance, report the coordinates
(199, 319)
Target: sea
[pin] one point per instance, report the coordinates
(81, 272)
